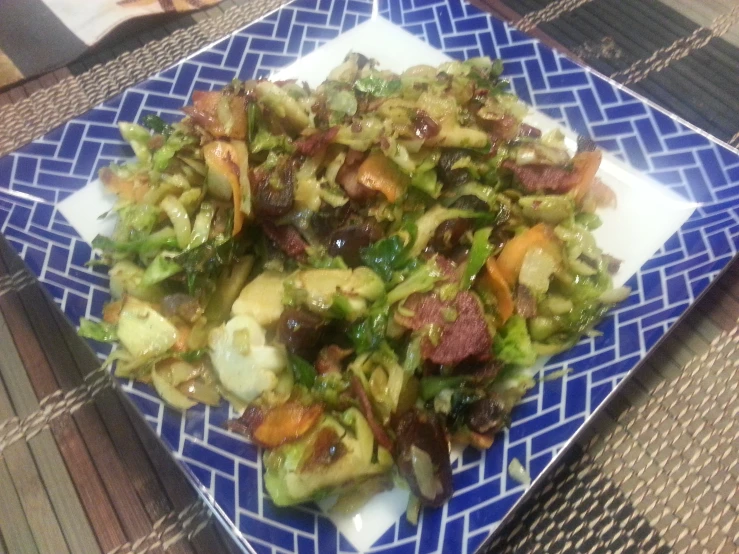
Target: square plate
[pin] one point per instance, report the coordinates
(675, 227)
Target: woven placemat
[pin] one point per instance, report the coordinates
(79, 473)
(684, 65)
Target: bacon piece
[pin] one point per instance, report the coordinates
(311, 145)
(601, 194)
(527, 131)
(542, 178)
(287, 239)
(330, 357)
(503, 127)
(463, 336)
(204, 112)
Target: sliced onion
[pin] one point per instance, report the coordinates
(413, 510)
(180, 220)
(170, 394)
(581, 268)
(201, 227)
(536, 270)
(518, 472)
(557, 305)
(178, 372)
(423, 469)
(201, 392)
(614, 296)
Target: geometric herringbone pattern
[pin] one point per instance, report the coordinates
(37, 177)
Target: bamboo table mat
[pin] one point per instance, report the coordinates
(81, 473)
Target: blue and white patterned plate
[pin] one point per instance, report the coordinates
(675, 227)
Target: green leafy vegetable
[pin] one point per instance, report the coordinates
(175, 142)
(369, 333)
(412, 359)
(304, 373)
(435, 216)
(136, 221)
(194, 355)
(431, 386)
(512, 343)
(479, 253)
(99, 331)
(327, 262)
(590, 221)
(342, 103)
(377, 86)
(548, 208)
(341, 307)
(163, 239)
(253, 120)
(390, 254)
(427, 182)
(422, 279)
(131, 132)
(157, 124)
(267, 142)
(162, 267)
(202, 264)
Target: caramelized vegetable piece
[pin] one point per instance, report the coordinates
(181, 305)
(112, 312)
(586, 165)
(314, 144)
(378, 172)
(129, 189)
(600, 195)
(274, 192)
(366, 407)
(510, 260)
(347, 177)
(493, 279)
(327, 449)
(330, 359)
(227, 174)
(271, 427)
(423, 457)
(220, 114)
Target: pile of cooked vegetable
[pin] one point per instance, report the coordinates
(365, 271)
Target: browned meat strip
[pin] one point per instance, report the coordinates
(287, 239)
(463, 332)
(542, 178)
